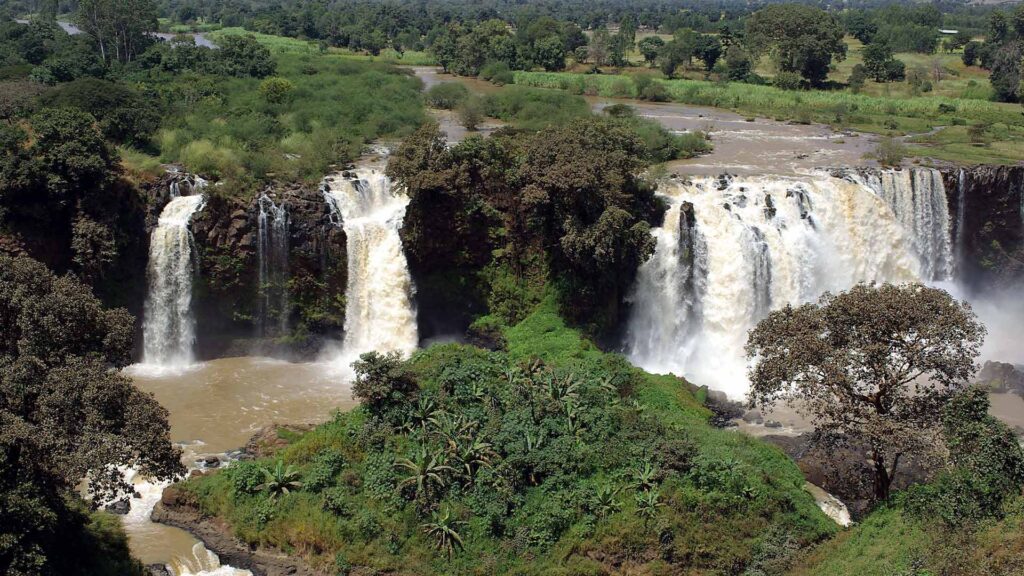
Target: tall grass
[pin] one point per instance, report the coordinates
(768, 100)
(337, 105)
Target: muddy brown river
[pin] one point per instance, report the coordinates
(215, 407)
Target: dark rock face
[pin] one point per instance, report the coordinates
(986, 204)
(227, 290)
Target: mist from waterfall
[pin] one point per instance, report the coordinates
(752, 245)
(168, 324)
(379, 310)
(272, 309)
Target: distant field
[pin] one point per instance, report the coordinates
(1001, 141)
(281, 44)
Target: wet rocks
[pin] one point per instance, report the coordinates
(120, 507)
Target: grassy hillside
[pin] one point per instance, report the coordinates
(584, 464)
(892, 541)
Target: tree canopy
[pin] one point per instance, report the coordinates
(800, 38)
(872, 367)
(66, 413)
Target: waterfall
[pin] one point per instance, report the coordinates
(752, 245)
(961, 217)
(668, 293)
(379, 312)
(168, 326)
(272, 258)
(917, 198)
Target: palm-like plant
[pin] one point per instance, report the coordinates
(645, 478)
(474, 455)
(606, 502)
(444, 530)
(647, 504)
(425, 413)
(424, 474)
(280, 480)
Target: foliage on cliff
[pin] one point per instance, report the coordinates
(550, 458)
(65, 415)
(968, 520)
(565, 202)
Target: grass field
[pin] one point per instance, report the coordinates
(1001, 141)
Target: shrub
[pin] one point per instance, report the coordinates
(447, 95)
(246, 477)
(655, 92)
(276, 90)
(787, 81)
(497, 73)
(889, 152)
(471, 113)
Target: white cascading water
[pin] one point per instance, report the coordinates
(754, 244)
(200, 562)
(168, 325)
(379, 310)
(917, 198)
(272, 259)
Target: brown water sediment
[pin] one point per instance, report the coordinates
(215, 407)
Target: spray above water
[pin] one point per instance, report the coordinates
(168, 325)
(731, 250)
(379, 311)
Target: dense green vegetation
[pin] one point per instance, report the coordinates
(967, 521)
(550, 457)
(67, 415)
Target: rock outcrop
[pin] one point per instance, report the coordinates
(986, 204)
(175, 509)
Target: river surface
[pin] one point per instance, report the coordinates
(215, 407)
(742, 145)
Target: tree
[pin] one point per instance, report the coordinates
(998, 28)
(649, 48)
(872, 368)
(880, 64)
(244, 56)
(857, 78)
(739, 63)
(120, 28)
(861, 26)
(66, 413)
(970, 55)
(122, 114)
(1006, 71)
(708, 49)
(800, 38)
(471, 112)
(600, 47)
(382, 382)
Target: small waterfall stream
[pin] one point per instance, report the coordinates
(379, 310)
(168, 325)
(272, 310)
(917, 198)
(754, 244)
